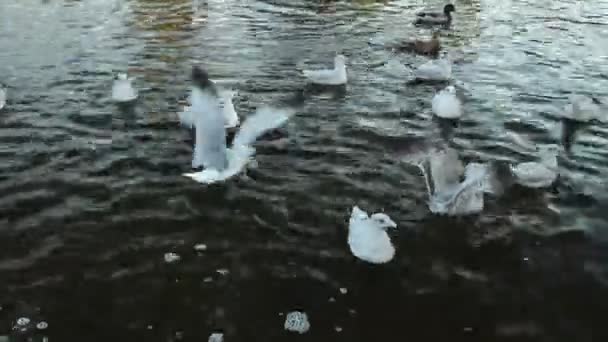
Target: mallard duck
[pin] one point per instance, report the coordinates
(122, 89)
(424, 47)
(367, 236)
(446, 104)
(210, 150)
(436, 18)
(335, 76)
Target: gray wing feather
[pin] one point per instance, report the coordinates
(263, 120)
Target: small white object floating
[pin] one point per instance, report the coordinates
(2, 96)
(335, 76)
(223, 271)
(343, 290)
(297, 321)
(42, 325)
(172, 257)
(122, 89)
(23, 321)
(216, 337)
(367, 236)
(201, 247)
(540, 174)
(446, 104)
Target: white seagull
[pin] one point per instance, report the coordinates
(210, 150)
(122, 89)
(2, 95)
(367, 236)
(335, 76)
(231, 118)
(448, 195)
(446, 104)
(539, 174)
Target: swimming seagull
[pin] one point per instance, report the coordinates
(2, 95)
(442, 170)
(335, 76)
(446, 104)
(435, 70)
(581, 111)
(367, 236)
(210, 148)
(122, 89)
(539, 174)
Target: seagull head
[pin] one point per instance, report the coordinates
(383, 221)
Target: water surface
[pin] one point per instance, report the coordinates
(92, 197)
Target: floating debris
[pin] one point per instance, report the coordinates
(216, 337)
(332, 299)
(22, 321)
(150, 327)
(297, 321)
(42, 325)
(223, 271)
(343, 290)
(468, 329)
(208, 280)
(338, 329)
(201, 247)
(526, 259)
(172, 257)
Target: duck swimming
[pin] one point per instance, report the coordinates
(335, 76)
(436, 18)
(423, 47)
(367, 236)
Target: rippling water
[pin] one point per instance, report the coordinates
(92, 197)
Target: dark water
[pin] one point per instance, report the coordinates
(92, 197)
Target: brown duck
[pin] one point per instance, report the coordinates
(423, 47)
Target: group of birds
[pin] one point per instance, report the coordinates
(453, 188)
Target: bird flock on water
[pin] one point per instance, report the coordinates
(453, 189)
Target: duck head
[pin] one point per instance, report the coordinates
(448, 9)
(383, 221)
